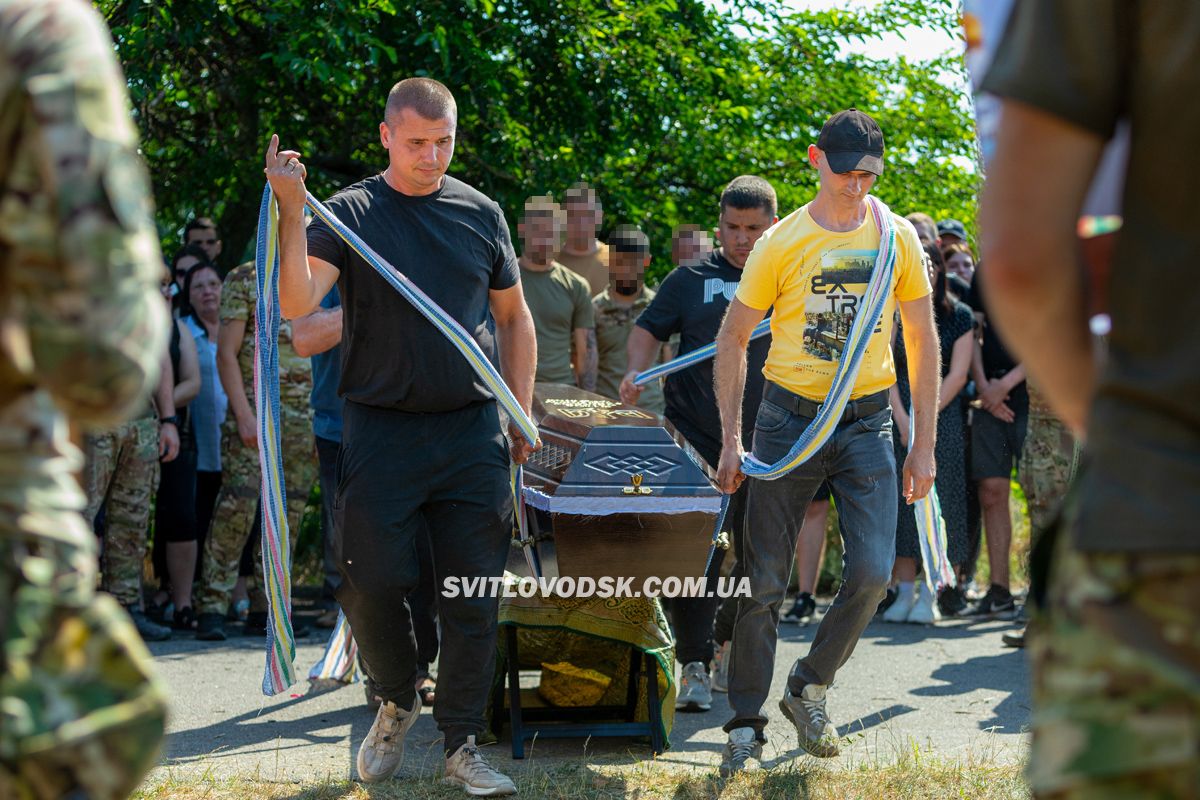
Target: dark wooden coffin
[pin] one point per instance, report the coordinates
(622, 492)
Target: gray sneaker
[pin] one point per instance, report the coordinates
(807, 713)
(468, 769)
(382, 751)
(743, 745)
(695, 689)
(719, 669)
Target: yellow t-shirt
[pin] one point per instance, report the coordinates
(815, 279)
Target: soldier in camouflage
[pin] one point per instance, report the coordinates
(1046, 468)
(237, 503)
(81, 333)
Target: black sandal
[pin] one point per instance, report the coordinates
(184, 619)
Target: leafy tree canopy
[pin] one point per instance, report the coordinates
(657, 103)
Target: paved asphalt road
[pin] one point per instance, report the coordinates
(953, 690)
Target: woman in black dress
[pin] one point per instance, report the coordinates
(954, 324)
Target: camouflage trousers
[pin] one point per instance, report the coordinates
(1046, 468)
(1116, 689)
(237, 506)
(121, 473)
(81, 712)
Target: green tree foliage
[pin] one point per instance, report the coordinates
(657, 103)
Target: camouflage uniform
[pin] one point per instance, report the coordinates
(237, 502)
(1047, 462)
(1116, 690)
(613, 324)
(121, 473)
(82, 328)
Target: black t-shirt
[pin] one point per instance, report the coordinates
(996, 359)
(454, 245)
(692, 302)
(1094, 64)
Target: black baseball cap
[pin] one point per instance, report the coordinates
(852, 140)
(952, 227)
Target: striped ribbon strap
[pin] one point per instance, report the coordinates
(870, 310)
(281, 646)
(694, 357)
(931, 531)
(340, 659)
(276, 558)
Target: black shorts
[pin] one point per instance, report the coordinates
(995, 444)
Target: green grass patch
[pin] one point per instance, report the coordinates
(913, 778)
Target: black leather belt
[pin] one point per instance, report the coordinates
(803, 407)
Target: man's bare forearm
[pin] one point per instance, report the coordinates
(518, 357)
(317, 332)
(591, 363)
(640, 349)
(729, 379)
(924, 376)
(297, 289)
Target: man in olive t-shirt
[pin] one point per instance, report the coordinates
(558, 299)
(582, 252)
(1115, 652)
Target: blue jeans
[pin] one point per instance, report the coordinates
(860, 466)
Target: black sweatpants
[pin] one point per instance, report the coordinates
(397, 474)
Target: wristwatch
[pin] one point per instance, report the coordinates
(173, 419)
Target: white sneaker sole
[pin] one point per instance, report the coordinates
(477, 791)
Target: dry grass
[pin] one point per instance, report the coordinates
(913, 777)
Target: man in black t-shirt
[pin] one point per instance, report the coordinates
(422, 447)
(691, 302)
(997, 435)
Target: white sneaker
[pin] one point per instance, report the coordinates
(468, 769)
(924, 610)
(899, 610)
(695, 689)
(742, 746)
(719, 671)
(381, 752)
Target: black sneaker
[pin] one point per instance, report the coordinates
(801, 612)
(184, 619)
(952, 601)
(149, 631)
(888, 599)
(998, 603)
(210, 627)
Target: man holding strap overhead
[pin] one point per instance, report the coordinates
(421, 444)
(820, 267)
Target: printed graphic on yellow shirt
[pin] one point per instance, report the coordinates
(837, 289)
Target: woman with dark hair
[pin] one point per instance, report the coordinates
(200, 312)
(174, 508)
(954, 324)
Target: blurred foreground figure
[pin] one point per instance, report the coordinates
(81, 332)
(1116, 648)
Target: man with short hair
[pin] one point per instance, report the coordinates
(202, 232)
(813, 269)
(923, 224)
(582, 252)
(1114, 649)
(616, 308)
(558, 299)
(691, 303)
(422, 447)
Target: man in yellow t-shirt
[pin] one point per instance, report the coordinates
(813, 267)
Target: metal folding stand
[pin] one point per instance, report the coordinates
(576, 722)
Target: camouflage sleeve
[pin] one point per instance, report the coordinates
(238, 295)
(79, 301)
